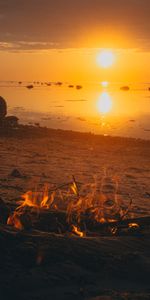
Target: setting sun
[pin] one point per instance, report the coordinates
(104, 84)
(106, 59)
(104, 103)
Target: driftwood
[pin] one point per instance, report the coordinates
(56, 221)
(34, 248)
(33, 262)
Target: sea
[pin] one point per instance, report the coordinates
(107, 108)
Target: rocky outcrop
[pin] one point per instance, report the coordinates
(3, 108)
(6, 121)
(10, 121)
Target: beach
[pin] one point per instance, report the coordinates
(40, 264)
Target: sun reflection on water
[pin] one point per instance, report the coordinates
(104, 103)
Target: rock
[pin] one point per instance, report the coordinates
(59, 83)
(78, 87)
(3, 108)
(6, 121)
(37, 124)
(30, 86)
(16, 173)
(10, 121)
(124, 88)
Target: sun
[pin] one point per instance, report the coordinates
(106, 58)
(104, 84)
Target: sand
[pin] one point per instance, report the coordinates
(38, 265)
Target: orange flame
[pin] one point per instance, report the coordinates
(133, 225)
(15, 221)
(77, 231)
(96, 200)
(91, 199)
(20, 219)
(37, 199)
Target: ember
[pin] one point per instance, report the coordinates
(77, 231)
(133, 225)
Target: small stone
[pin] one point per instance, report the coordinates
(16, 173)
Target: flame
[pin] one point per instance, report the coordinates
(92, 200)
(74, 188)
(77, 231)
(37, 199)
(15, 221)
(96, 201)
(133, 225)
(113, 230)
(102, 220)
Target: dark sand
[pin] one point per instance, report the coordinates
(42, 265)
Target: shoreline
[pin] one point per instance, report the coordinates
(27, 131)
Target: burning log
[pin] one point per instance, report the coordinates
(56, 221)
(84, 212)
(121, 227)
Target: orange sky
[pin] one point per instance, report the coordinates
(59, 40)
(74, 65)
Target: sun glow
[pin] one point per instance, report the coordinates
(104, 103)
(104, 84)
(106, 59)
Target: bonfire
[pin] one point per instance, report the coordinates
(74, 208)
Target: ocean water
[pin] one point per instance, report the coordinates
(93, 108)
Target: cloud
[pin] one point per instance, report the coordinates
(81, 119)
(27, 46)
(47, 24)
(76, 100)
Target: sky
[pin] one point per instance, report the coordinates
(59, 40)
